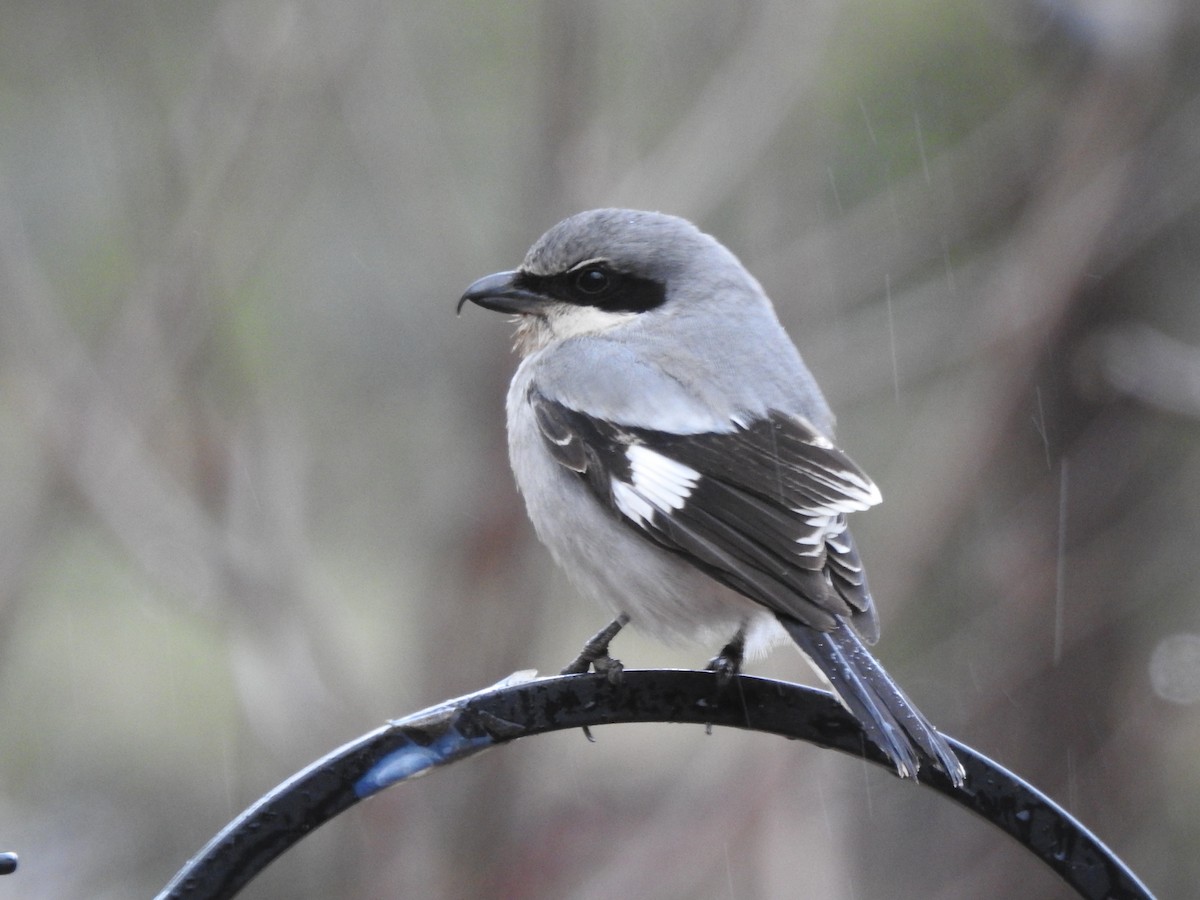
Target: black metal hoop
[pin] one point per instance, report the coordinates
(523, 706)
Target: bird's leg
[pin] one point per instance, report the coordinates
(728, 662)
(595, 653)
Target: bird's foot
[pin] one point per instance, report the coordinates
(608, 667)
(595, 653)
(728, 663)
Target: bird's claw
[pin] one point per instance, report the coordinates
(595, 656)
(728, 663)
(610, 668)
(602, 665)
(724, 668)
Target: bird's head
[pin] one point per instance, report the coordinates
(611, 268)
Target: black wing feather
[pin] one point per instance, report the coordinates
(781, 457)
(763, 517)
(743, 563)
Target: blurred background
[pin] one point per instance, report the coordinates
(254, 494)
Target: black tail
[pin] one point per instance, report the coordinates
(887, 716)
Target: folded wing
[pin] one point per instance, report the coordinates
(760, 507)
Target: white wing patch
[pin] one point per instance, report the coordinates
(659, 484)
(631, 504)
(660, 478)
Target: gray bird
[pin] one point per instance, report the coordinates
(677, 458)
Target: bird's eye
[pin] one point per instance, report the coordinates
(592, 280)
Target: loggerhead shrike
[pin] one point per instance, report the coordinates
(676, 457)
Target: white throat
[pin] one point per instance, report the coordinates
(565, 321)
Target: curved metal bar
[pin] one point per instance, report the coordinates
(522, 706)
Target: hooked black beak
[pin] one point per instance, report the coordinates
(502, 292)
